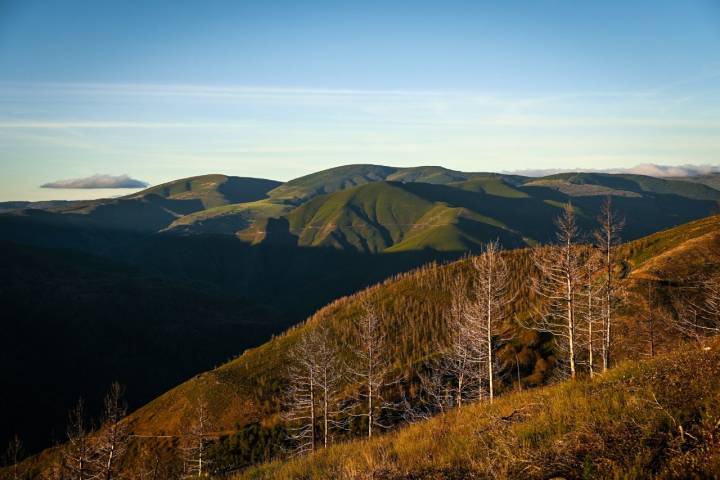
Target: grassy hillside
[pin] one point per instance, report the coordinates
(370, 208)
(414, 307)
(650, 419)
(390, 208)
(389, 216)
(335, 179)
(581, 184)
(711, 179)
(244, 395)
(152, 209)
(237, 217)
(213, 190)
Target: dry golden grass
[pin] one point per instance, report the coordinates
(649, 419)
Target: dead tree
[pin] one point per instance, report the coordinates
(561, 272)
(482, 314)
(700, 317)
(607, 239)
(315, 374)
(328, 377)
(13, 456)
(112, 439)
(709, 307)
(437, 392)
(300, 397)
(371, 366)
(591, 310)
(79, 454)
(458, 360)
(195, 443)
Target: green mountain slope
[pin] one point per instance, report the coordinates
(213, 190)
(710, 179)
(371, 208)
(339, 178)
(157, 207)
(582, 184)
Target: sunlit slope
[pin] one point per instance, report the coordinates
(414, 307)
(370, 208)
(228, 219)
(394, 217)
(213, 190)
(651, 419)
(302, 189)
(154, 208)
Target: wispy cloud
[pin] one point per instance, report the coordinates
(98, 181)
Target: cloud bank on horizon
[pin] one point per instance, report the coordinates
(98, 181)
(649, 169)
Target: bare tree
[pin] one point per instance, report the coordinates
(561, 273)
(478, 320)
(591, 311)
(329, 376)
(700, 317)
(13, 456)
(195, 443)
(607, 238)
(709, 307)
(315, 373)
(458, 361)
(112, 439)
(492, 294)
(300, 397)
(437, 392)
(371, 366)
(79, 454)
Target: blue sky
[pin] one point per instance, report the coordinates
(165, 89)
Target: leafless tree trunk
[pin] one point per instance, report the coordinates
(112, 439)
(607, 238)
(701, 317)
(591, 311)
(315, 373)
(330, 373)
(195, 443)
(13, 455)
(460, 358)
(300, 399)
(484, 311)
(78, 454)
(561, 273)
(709, 308)
(371, 366)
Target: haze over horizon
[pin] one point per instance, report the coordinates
(159, 90)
